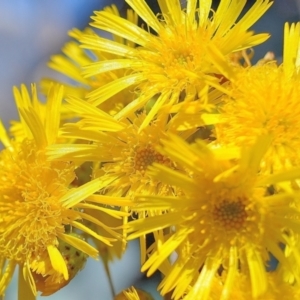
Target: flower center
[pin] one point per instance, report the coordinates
(145, 157)
(230, 214)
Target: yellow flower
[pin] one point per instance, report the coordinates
(264, 99)
(37, 207)
(122, 151)
(133, 294)
(226, 217)
(74, 60)
(172, 60)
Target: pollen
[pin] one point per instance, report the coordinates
(230, 214)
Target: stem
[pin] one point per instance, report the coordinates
(106, 267)
(24, 290)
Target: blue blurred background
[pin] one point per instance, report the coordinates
(32, 30)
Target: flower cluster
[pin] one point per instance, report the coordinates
(171, 131)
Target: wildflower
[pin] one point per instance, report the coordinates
(74, 58)
(225, 218)
(37, 207)
(264, 99)
(121, 153)
(133, 294)
(174, 63)
(119, 147)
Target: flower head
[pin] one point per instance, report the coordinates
(264, 99)
(37, 207)
(172, 58)
(122, 151)
(226, 219)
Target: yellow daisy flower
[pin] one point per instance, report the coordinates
(264, 99)
(174, 63)
(37, 207)
(74, 58)
(226, 218)
(122, 151)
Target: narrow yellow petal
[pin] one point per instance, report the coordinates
(203, 285)
(100, 224)
(220, 61)
(7, 276)
(35, 126)
(121, 27)
(157, 258)
(109, 65)
(143, 10)
(233, 8)
(143, 226)
(112, 212)
(291, 47)
(110, 200)
(280, 176)
(92, 233)
(172, 11)
(204, 12)
(108, 90)
(231, 273)
(80, 245)
(57, 261)
(257, 272)
(169, 176)
(53, 109)
(3, 136)
(154, 110)
(191, 10)
(102, 44)
(84, 108)
(254, 13)
(76, 195)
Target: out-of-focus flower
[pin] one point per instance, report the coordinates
(264, 99)
(172, 59)
(226, 218)
(277, 289)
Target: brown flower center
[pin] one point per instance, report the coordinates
(230, 214)
(145, 157)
